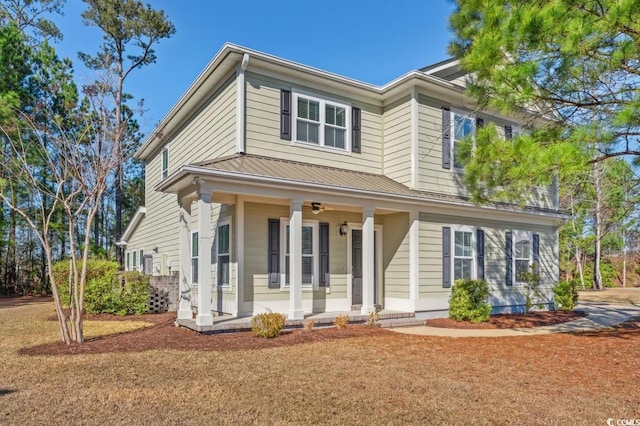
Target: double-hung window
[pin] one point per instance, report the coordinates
(194, 257)
(128, 268)
(463, 254)
(463, 127)
(135, 260)
(321, 122)
(165, 162)
(310, 251)
(223, 246)
(522, 254)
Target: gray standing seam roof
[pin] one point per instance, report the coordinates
(300, 172)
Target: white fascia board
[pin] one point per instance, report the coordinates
(135, 220)
(230, 55)
(182, 178)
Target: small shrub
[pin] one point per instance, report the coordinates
(531, 286)
(341, 321)
(373, 319)
(566, 293)
(309, 324)
(267, 325)
(468, 301)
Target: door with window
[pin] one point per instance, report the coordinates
(356, 267)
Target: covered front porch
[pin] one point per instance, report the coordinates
(252, 244)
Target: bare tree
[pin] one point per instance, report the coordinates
(78, 163)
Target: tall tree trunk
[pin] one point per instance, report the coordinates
(597, 276)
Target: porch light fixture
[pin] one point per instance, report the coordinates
(343, 229)
(315, 208)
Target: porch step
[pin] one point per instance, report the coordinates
(234, 325)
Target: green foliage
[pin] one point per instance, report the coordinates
(468, 301)
(531, 280)
(267, 325)
(566, 294)
(607, 270)
(341, 321)
(105, 291)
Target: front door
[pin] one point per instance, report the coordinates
(356, 268)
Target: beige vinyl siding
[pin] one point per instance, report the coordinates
(209, 133)
(494, 258)
(397, 141)
(256, 286)
(396, 255)
(432, 177)
(263, 129)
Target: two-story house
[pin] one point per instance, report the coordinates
(275, 186)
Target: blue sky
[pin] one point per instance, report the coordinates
(373, 41)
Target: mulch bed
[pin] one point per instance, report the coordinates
(533, 319)
(165, 335)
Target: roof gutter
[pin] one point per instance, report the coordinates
(240, 105)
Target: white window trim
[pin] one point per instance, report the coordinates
(315, 282)
(141, 261)
(323, 101)
(474, 250)
(517, 235)
(128, 260)
(191, 257)
(164, 172)
(462, 113)
(223, 222)
(134, 257)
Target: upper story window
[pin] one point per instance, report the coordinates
(165, 162)
(463, 126)
(320, 122)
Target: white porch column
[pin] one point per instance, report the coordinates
(184, 285)
(414, 257)
(295, 260)
(204, 258)
(368, 261)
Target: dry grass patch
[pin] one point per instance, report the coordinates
(357, 375)
(611, 295)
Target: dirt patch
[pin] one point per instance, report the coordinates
(534, 319)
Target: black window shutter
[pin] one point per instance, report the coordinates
(536, 252)
(324, 254)
(508, 132)
(479, 122)
(480, 253)
(285, 114)
(508, 249)
(446, 257)
(356, 120)
(274, 253)
(446, 138)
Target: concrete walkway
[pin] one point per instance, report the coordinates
(600, 315)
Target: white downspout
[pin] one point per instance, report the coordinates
(240, 105)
